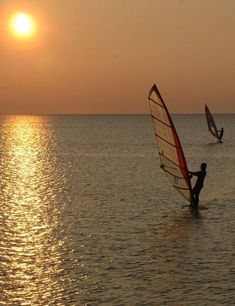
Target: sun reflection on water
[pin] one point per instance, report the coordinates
(30, 254)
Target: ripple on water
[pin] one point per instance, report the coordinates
(88, 218)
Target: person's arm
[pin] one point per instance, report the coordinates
(197, 173)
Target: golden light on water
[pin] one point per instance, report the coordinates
(22, 25)
(30, 254)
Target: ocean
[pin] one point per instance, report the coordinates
(87, 216)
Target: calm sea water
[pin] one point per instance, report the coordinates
(87, 217)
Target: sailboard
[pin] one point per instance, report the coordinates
(211, 123)
(170, 150)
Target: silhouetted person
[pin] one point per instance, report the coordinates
(198, 186)
(221, 133)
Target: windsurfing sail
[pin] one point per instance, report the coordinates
(211, 123)
(171, 153)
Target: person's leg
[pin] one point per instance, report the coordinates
(193, 198)
(192, 201)
(196, 200)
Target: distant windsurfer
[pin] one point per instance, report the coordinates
(198, 186)
(221, 134)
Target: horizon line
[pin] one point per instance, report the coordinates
(103, 114)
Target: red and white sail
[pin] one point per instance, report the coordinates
(211, 123)
(171, 154)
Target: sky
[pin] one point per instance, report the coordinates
(102, 56)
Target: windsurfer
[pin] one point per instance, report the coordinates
(221, 133)
(198, 185)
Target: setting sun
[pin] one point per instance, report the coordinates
(22, 25)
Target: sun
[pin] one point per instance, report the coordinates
(22, 25)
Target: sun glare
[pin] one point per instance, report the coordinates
(22, 25)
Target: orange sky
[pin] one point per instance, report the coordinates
(102, 56)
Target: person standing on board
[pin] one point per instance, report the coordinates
(221, 133)
(198, 185)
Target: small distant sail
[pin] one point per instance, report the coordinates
(171, 154)
(211, 123)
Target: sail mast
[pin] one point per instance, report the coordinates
(211, 123)
(170, 150)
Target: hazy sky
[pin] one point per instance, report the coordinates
(102, 56)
